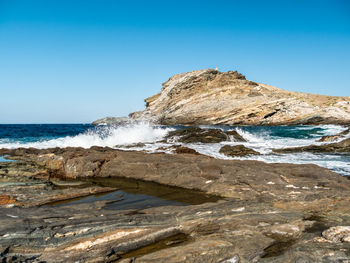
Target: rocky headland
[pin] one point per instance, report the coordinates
(210, 97)
(250, 211)
(178, 205)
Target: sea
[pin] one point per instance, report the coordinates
(260, 138)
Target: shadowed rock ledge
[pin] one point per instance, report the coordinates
(213, 97)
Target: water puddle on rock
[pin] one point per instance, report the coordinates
(277, 248)
(137, 194)
(4, 160)
(172, 241)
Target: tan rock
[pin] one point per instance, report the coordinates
(337, 234)
(212, 97)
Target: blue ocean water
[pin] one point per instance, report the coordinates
(260, 138)
(25, 133)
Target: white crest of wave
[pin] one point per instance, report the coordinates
(102, 136)
(264, 142)
(330, 129)
(251, 137)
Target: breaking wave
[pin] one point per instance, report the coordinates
(97, 136)
(260, 138)
(264, 139)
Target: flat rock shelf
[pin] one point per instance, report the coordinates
(107, 205)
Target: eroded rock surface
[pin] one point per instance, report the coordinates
(330, 138)
(270, 212)
(229, 178)
(27, 191)
(199, 135)
(213, 97)
(237, 150)
(339, 147)
(337, 234)
(195, 134)
(235, 136)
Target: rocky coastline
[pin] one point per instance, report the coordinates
(104, 204)
(262, 212)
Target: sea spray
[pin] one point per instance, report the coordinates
(109, 135)
(260, 138)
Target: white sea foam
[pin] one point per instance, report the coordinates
(330, 129)
(100, 136)
(261, 140)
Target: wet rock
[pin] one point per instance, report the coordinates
(33, 192)
(186, 150)
(196, 135)
(67, 183)
(337, 234)
(264, 217)
(212, 250)
(235, 136)
(134, 145)
(330, 138)
(241, 179)
(179, 149)
(341, 147)
(237, 150)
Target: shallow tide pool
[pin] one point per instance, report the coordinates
(137, 194)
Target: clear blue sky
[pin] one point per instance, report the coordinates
(76, 61)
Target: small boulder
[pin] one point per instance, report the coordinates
(235, 136)
(178, 149)
(342, 146)
(134, 145)
(198, 135)
(183, 149)
(237, 150)
(330, 138)
(288, 231)
(337, 234)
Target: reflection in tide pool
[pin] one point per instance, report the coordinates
(136, 194)
(4, 160)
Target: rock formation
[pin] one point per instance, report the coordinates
(330, 138)
(337, 147)
(198, 135)
(237, 150)
(212, 97)
(266, 213)
(112, 120)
